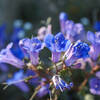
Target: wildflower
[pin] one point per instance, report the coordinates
(63, 18)
(32, 48)
(6, 56)
(44, 31)
(95, 85)
(33, 81)
(16, 50)
(78, 50)
(44, 90)
(74, 31)
(25, 45)
(17, 80)
(98, 74)
(96, 26)
(56, 45)
(60, 84)
(95, 44)
(3, 67)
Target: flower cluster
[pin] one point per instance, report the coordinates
(68, 53)
(72, 31)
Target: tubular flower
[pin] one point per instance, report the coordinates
(44, 90)
(95, 44)
(32, 48)
(16, 80)
(43, 31)
(95, 85)
(74, 31)
(60, 84)
(63, 18)
(78, 50)
(6, 56)
(56, 45)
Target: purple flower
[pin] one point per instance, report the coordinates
(63, 18)
(95, 44)
(33, 81)
(95, 85)
(60, 84)
(43, 31)
(32, 47)
(16, 80)
(74, 31)
(6, 56)
(97, 26)
(44, 90)
(77, 51)
(3, 67)
(56, 45)
(98, 74)
(16, 50)
(25, 45)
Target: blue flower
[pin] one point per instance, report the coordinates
(44, 90)
(43, 31)
(33, 81)
(36, 45)
(96, 26)
(61, 43)
(32, 47)
(63, 16)
(95, 44)
(95, 85)
(60, 84)
(78, 50)
(81, 49)
(17, 52)
(16, 80)
(25, 45)
(3, 67)
(56, 45)
(98, 74)
(6, 56)
(74, 31)
(93, 37)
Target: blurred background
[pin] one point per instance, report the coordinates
(34, 12)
